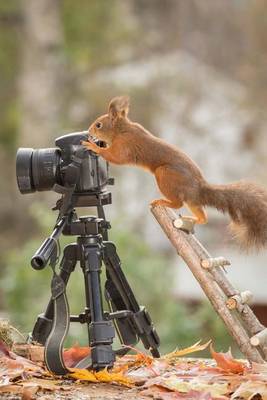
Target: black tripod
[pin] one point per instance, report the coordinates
(131, 321)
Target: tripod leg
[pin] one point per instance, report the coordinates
(124, 327)
(44, 321)
(101, 331)
(138, 321)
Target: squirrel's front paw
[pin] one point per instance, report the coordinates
(91, 146)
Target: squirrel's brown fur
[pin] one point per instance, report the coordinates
(178, 177)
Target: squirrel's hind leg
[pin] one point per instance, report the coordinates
(199, 213)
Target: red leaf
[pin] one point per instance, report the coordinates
(4, 349)
(75, 354)
(226, 362)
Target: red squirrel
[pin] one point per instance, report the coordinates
(178, 177)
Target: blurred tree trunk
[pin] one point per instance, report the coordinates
(40, 83)
(41, 79)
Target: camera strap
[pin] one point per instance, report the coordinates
(72, 175)
(61, 316)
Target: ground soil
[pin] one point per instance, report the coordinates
(87, 391)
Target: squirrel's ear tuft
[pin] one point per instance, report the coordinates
(119, 107)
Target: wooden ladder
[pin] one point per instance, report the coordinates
(231, 305)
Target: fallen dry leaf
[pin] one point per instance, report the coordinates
(82, 375)
(100, 376)
(75, 354)
(29, 393)
(113, 377)
(226, 362)
(249, 390)
(188, 350)
(26, 393)
(259, 369)
(13, 367)
(9, 369)
(140, 358)
(142, 372)
(185, 385)
(28, 388)
(4, 350)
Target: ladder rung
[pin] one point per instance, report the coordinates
(209, 263)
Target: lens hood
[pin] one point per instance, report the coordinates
(24, 170)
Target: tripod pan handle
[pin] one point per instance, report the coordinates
(43, 254)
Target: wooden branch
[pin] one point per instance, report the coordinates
(192, 253)
(34, 353)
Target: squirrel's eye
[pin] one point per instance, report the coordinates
(98, 125)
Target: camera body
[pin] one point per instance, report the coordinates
(41, 169)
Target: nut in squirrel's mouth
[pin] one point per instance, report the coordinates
(98, 141)
(92, 138)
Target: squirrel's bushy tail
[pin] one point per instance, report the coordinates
(246, 203)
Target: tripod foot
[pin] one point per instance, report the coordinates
(155, 353)
(101, 335)
(102, 357)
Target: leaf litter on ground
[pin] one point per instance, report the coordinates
(172, 376)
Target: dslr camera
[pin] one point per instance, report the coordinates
(46, 169)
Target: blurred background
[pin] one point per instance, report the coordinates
(196, 73)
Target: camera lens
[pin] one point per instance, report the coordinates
(37, 170)
(45, 164)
